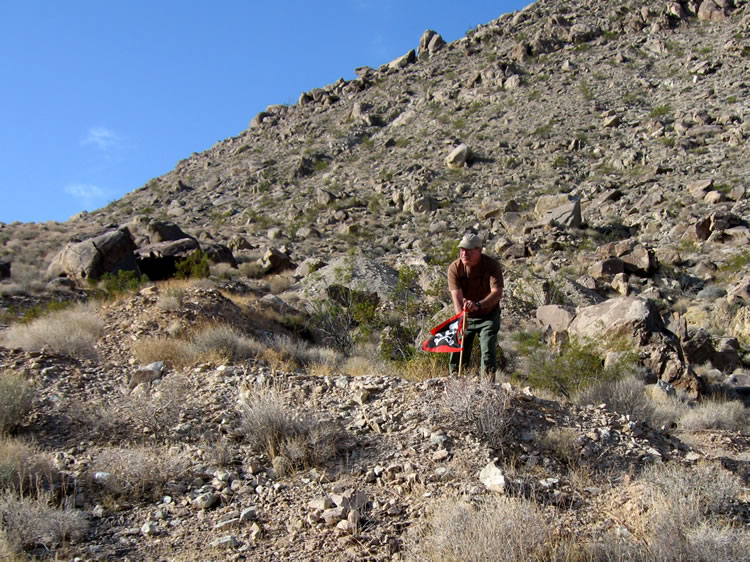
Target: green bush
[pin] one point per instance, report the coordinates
(194, 266)
(577, 366)
(124, 281)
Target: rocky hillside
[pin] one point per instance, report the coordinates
(599, 148)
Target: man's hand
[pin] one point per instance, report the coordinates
(470, 306)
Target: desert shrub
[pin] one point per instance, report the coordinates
(334, 322)
(562, 441)
(135, 473)
(16, 394)
(714, 414)
(153, 412)
(72, 331)
(626, 396)
(171, 300)
(193, 266)
(683, 508)
(276, 429)
(225, 340)
(303, 352)
(30, 522)
(25, 469)
(500, 528)
(124, 281)
(479, 407)
(176, 353)
(425, 366)
(677, 513)
(211, 343)
(280, 283)
(577, 366)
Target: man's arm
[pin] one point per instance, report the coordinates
(488, 302)
(457, 295)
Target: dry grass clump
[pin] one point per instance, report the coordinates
(27, 523)
(152, 412)
(630, 395)
(25, 469)
(715, 414)
(277, 284)
(225, 340)
(499, 528)
(277, 429)
(480, 407)
(212, 343)
(305, 353)
(72, 331)
(358, 366)
(626, 396)
(16, 394)
(136, 473)
(562, 441)
(425, 366)
(171, 299)
(680, 513)
(25, 279)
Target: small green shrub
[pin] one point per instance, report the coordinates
(194, 266)
(577, 366)
(660, 111)
(124, 281)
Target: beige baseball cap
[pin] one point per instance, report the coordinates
(470, 242)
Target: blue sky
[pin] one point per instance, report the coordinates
(98, 97)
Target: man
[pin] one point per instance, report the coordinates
(475, 281)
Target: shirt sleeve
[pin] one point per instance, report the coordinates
(453, 277)
(496, 275)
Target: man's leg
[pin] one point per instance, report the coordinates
(455, 357)
(488, 329)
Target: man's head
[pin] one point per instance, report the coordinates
(470, 249)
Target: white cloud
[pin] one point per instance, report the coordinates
(90, 196)
(102, 138)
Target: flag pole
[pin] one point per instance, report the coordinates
(461, 355)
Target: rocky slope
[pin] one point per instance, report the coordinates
(600, 148)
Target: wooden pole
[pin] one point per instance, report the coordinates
(461, 355)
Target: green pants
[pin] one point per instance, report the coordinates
(487, 327)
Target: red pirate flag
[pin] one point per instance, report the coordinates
(447, 337)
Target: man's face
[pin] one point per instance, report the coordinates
(470, 257)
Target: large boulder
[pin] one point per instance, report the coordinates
(159, 261)
(108, 253)
(276, 261)
(430, 42)
(562, 210)
(4, 270)
(163, 231)
(220, 253)
(355, 272)
(637, 320)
